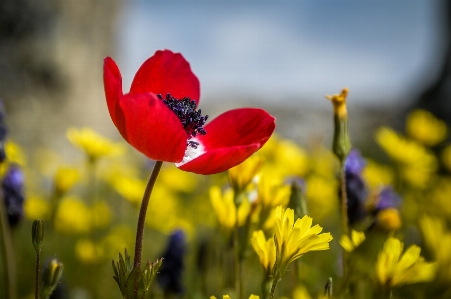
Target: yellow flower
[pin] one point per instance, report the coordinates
(176, 180)
(65, 178)
(130, 188)
(425, 128)
(322, 196)
(15, 153)
(88, 252)
(265, 249)
(73, 216)
(349, 244)
(417, 163)
(101, 214)
(271, 193)
(393, 268)
(225, 209)
(36, 208)
(294, 239)
(389, 219)
(438, 240)
(94, 145)
(241, 175)
(403, 150)
(377, 175)
(228, 297)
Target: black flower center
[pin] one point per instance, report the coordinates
(192, 119)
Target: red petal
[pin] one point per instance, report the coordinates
(151, 127)
(112, 81)
(218, 160)
(167, 72)
(231, 138)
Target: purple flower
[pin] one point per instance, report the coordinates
(387, 198)
(170, 273)
(13, 194)
(354, 162)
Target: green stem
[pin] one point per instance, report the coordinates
(236, 251)
(344, 214)
(36, 293)
(273, 288)
(142, 213)
(7, 254)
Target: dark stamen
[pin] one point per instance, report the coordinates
(192, 120)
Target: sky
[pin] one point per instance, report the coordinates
(289, 50)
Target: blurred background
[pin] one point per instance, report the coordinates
(280, 55)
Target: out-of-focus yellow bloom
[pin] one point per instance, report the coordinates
(73, 216)
(101, 214)
(36, 208)
(439, 197)
(225, 209)
(271, 193)
(301, 292)
(241, 175)
(425, 128)
(417, 163)
(176, 180)
(321, 194)
(118, 238)
(265, 249)
(130, 188)
(228, 297)
(15, 153)
(88, 252)
(349, 244)
(284, 157)
(389, 219)
(94, 145)
(393, 268)
(294, 239)
(438, 242)
(403, 150)
(65, 178)
(377, 175)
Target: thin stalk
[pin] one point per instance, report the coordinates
(7, 254)
(236, 251)
(142, 213)
(36, 292)
(344, 214)
(273, 288)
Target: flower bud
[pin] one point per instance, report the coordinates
(50, 278)
(37, 234)
(297, 199)
(328, 289)
(341, 144)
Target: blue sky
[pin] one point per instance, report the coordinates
(289, 50)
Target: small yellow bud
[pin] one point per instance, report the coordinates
(37, 234)
(51, 276)
(389, 219)
(341, 144)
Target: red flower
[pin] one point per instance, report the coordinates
(146, 121)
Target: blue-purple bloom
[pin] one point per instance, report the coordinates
(170, 273)
(13, 194)
(356, 188)
(387, 198)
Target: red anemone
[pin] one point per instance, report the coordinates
(151, 127)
